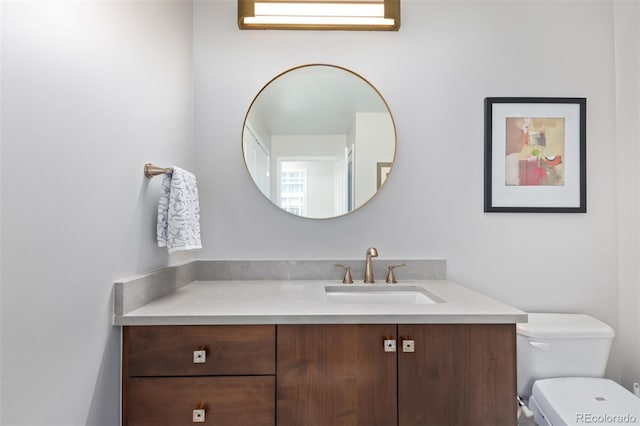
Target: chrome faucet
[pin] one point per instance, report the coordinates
(368, 270)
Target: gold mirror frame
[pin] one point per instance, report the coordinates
(246, 9)
(387, 166)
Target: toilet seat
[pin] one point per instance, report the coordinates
(573, 401)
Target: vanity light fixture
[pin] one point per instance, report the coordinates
(363, 15)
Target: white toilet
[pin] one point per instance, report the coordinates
(561, 361)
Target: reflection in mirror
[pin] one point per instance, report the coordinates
(319, 141)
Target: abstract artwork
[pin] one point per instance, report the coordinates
(534, 151)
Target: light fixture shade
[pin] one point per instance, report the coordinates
(363, 15)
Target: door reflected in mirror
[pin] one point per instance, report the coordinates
(319, 141)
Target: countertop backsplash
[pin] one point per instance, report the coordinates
(133, 292)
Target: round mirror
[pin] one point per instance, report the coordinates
(319, 141)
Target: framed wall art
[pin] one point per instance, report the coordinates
(535, 155)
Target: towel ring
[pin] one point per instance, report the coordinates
(150, 170)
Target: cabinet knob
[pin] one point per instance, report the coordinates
(389, 345)
(199, 356)
(408, 345)
(199, 415)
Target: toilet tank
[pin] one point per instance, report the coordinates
(561, 345)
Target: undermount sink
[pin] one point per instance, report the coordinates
(385, 295)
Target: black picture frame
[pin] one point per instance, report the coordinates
(504, 169)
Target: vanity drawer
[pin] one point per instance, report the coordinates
(199, 350)
(228, 401)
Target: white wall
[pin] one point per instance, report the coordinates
(1, 68)
(627, 57)
(434, 74)
(90, 92)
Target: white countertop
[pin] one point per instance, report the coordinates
(304, 302)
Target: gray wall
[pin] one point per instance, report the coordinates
(90, 92)
(434, 73)
(627, 63)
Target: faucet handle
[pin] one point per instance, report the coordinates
(391, 278)
(347, 273)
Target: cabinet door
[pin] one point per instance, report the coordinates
(336, 375)
(224, 401)
(459, 375)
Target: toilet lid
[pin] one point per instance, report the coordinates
(564, 326)
(585, 400)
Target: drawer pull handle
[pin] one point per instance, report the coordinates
(199, 357)
(199, 415)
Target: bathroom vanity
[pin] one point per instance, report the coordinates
(296, 347)
(289, 353)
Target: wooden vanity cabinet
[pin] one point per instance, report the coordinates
(210, 375)
(327, 375)
(456, 375)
